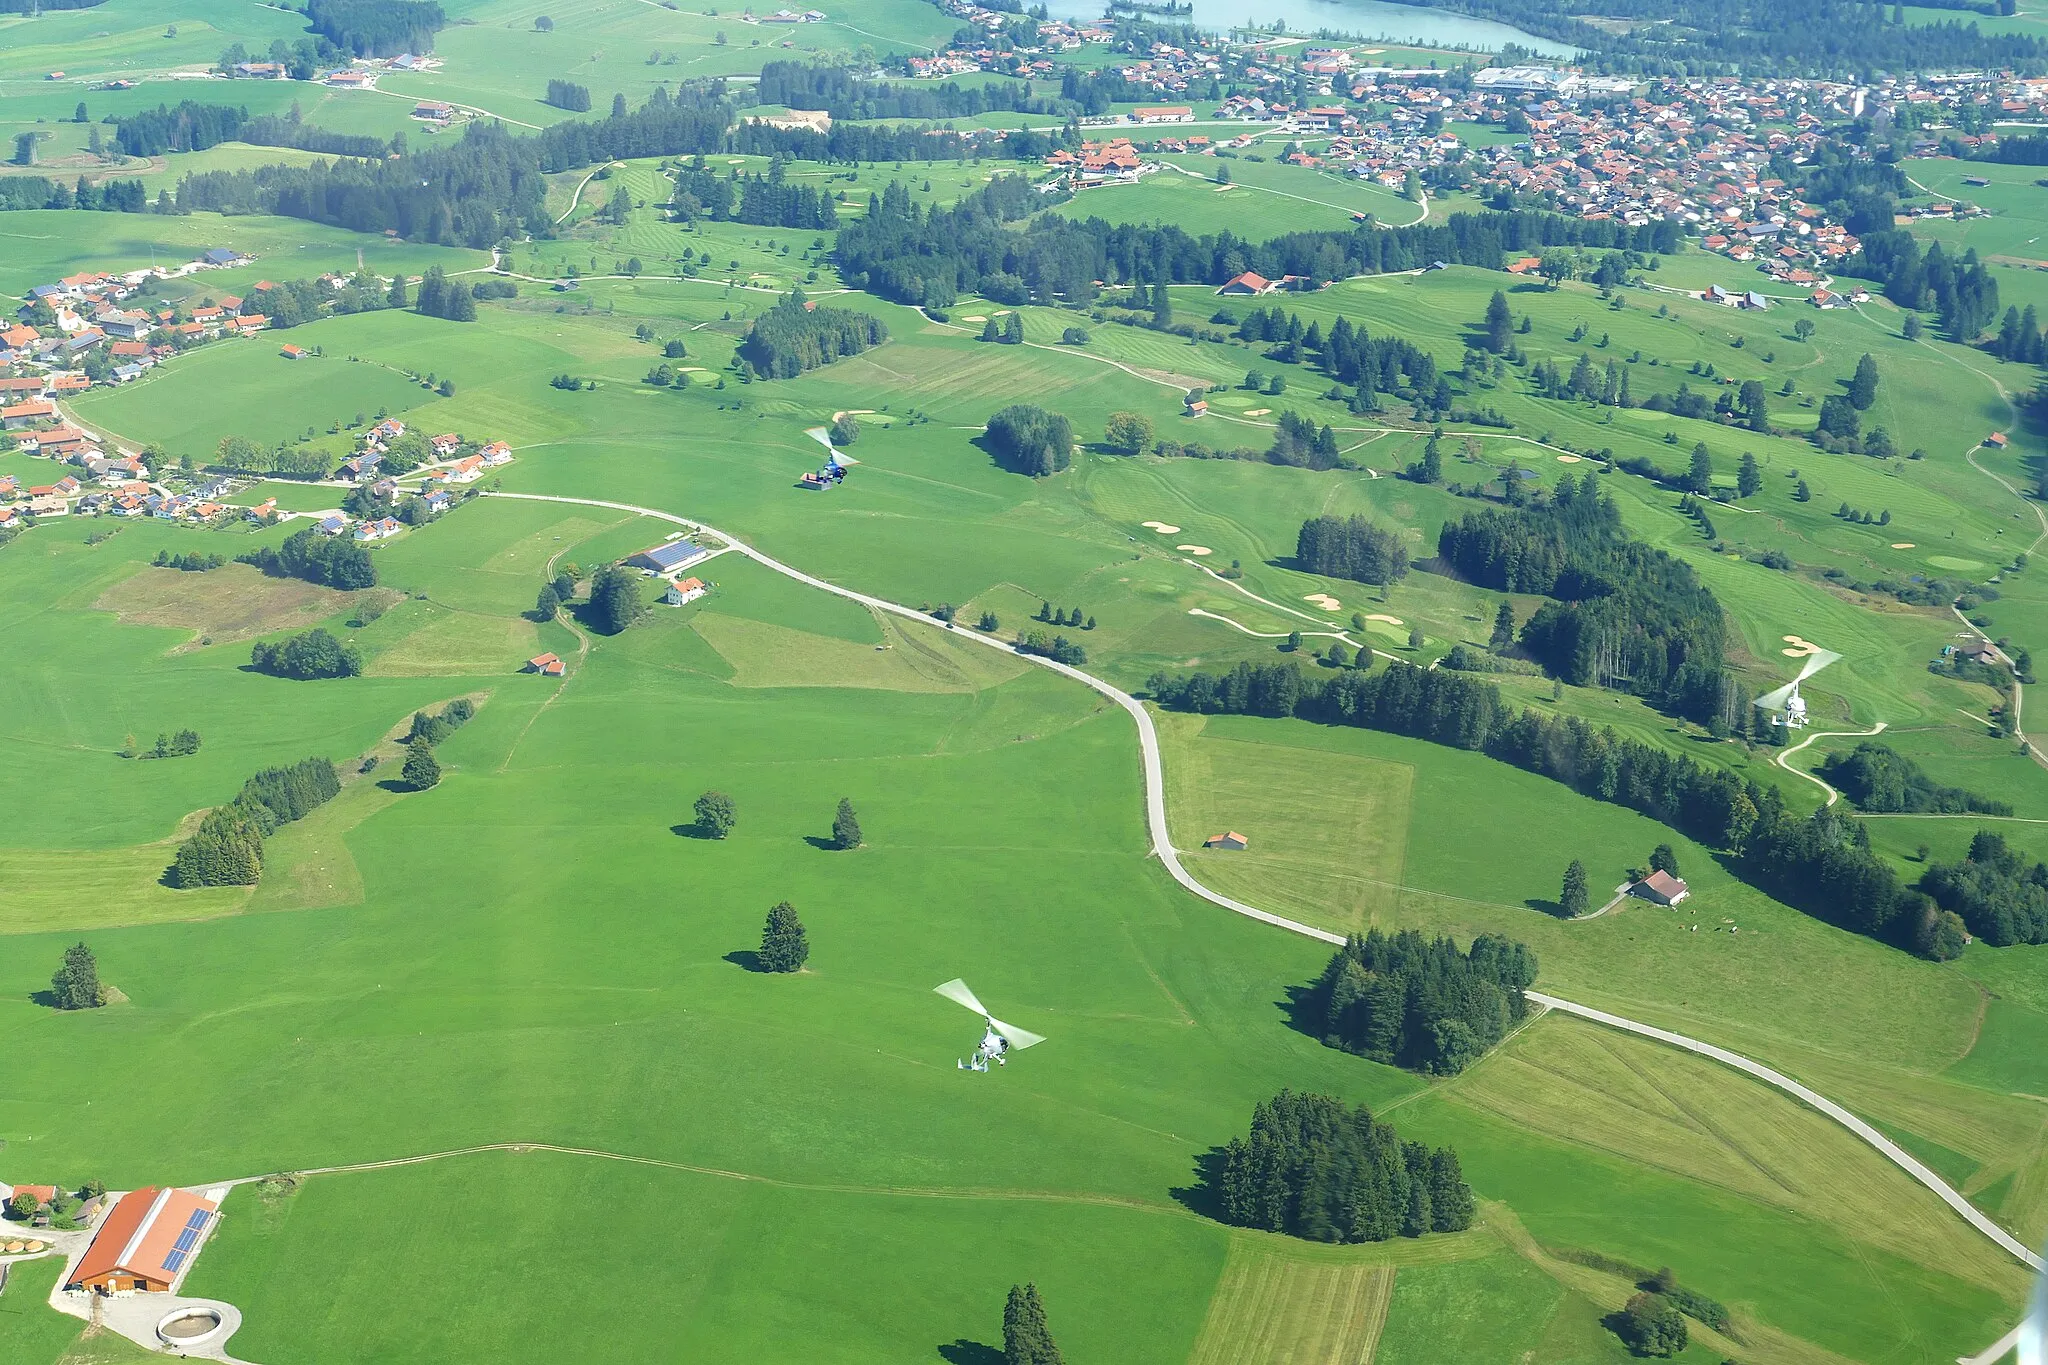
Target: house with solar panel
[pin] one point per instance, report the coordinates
(146, 1243)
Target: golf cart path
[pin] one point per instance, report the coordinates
(1783, 754)
(1163, 849)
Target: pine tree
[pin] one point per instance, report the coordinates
(1573, 897)
(1503, 627)
(1450, 1198)
(1748, 478)
(783, 945)
(396, 298)
(1027, 1338)
(549, 604)
(1700, 477)
(845, 826)
(422, 770)
(1500, 324)
(1863, 387)
(76, 986)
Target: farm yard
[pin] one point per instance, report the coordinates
(503, 974)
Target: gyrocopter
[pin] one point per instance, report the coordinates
(999, 1039)
(1785, 706)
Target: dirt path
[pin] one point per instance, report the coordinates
(1323, 203)
(1163, 849)
(575, 198)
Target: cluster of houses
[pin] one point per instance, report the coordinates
(66, 324)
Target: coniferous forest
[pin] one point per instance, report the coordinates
(1409, 1001)
(796, 335)
(1316, 1168)
(1625, 615)
(1351, 547)
(227, 848)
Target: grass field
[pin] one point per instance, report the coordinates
(537, 951)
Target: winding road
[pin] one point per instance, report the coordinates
(1163, 849)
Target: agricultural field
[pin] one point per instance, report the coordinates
(498, 1040)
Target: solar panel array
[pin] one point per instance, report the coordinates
(181, 1250)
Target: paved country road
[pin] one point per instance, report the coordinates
(1163, 849)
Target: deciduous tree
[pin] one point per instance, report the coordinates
(716, 814)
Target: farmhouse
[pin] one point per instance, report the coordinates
(1247, 283)
(670, 556)
(468, 469)
(1661, 888)
(547, 665)
(381, 529)
(1229, 839)
(684, 591)
(21, 414)
(291, 352)
(145, 1243)
(496, 453)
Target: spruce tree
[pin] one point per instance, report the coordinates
(1863, 386)
(845, 826)
(1663, 858)
(1500, 324)
(1503, 627)
(1573, 897)
(783, 945)
(76, 986)
(549, 603)
(1027, 1339)
(422, 770)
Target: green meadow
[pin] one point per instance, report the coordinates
(539, 970)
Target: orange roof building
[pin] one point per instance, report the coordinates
(145, 1243)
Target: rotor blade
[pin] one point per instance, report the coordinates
(1771, 701)
(1019, 1038)
(1816, 661)
(956, 991)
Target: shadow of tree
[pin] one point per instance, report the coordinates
(965, 1352)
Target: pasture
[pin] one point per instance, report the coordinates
(541, 952)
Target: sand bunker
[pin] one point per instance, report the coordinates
(1387, 620)
(854, 412)
(974, 317)
(1195, 549)
(1568, 459)
(1258, 412)
(1902, 545)
(1164, 528)
(1323, 600)
(1222, 188)
(1798, 648)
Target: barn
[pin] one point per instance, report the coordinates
(145, 1243)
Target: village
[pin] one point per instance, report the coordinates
(75, 334)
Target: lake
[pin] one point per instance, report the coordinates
(1410, 24)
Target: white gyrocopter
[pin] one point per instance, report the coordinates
(1786, 707)
(1000, 1039)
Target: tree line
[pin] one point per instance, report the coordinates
(1996, 894)
(307, 656)
(1822, 864)
(1417, 1003)
(1876, 777)
(193, 127)
(377, 28)
(844, 95)
(933, 256)
(1316, 1168)
(333, 561)
(227, 848)
(797, 335)
(763, 201)
(1623, 615)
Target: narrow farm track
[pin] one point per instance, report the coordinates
(1163, 849)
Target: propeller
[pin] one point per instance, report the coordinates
(957, 992)
(1019, 1038)
(1771, 701)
